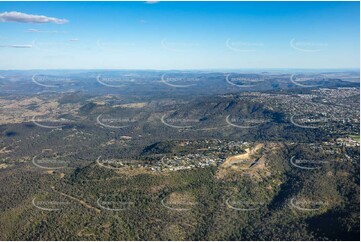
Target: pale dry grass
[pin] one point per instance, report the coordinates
(131, 105)
(253, 163)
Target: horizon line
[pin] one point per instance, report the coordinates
(177, 69)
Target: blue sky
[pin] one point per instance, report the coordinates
(179, 35)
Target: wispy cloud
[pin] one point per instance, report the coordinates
(74, 40)
(29, 18)
(151, 2)
(16, 46)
